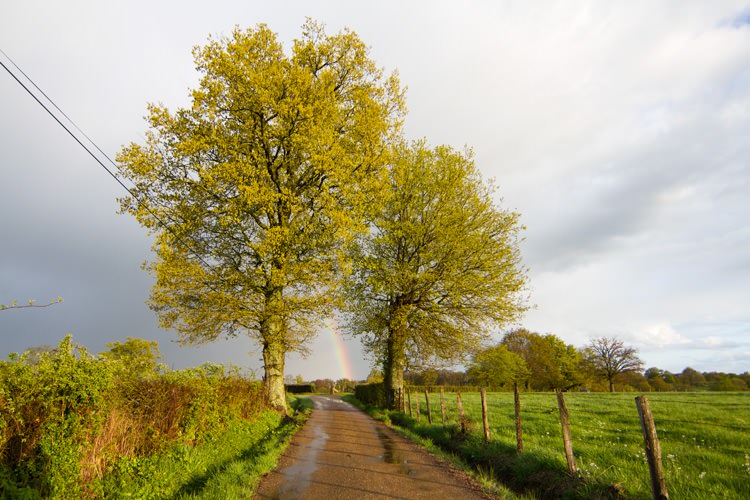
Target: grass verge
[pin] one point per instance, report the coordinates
(229, 465)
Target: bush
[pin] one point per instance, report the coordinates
(67, 417)
(371, 394)
(300, 388)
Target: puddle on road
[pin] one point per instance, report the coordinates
(391, 454)
(297, 477)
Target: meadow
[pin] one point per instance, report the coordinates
(705, 442)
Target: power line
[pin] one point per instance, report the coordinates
(63, 125)
(60, 110)
(138, 200)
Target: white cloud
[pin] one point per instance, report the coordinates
(660, 335)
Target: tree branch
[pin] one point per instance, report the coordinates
(29, 304)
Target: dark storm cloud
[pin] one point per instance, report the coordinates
(622, 143)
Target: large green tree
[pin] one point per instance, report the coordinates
(440, 266)
(497, 366)
(552, 363)
(252, 191)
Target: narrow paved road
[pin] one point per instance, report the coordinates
(343, 453)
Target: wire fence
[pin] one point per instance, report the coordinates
(699, 445)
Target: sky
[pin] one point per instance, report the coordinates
(619, 130)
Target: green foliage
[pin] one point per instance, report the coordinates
(375, 376)
(265, 177)
(431, 377)
(136, 356)
(440, 265)
(371, 394)
(50, 410)
(300, 388)
(67, 419)
(345, 385)
(497, 366)
(552, 363)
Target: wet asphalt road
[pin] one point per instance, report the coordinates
(343, 453)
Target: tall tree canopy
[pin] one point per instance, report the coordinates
(497, 366)
(439, 267)
(252, 191)
(552, 363)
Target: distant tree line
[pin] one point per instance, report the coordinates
(542, 362)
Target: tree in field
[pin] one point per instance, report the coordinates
(439, 267)
(497, 366)
(253, 190)
(690, 378)
(552, 363)
(610, 357)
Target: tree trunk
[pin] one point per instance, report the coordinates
(395, 362)
(273, 363)
(274, 351)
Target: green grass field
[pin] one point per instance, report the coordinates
(705, 441)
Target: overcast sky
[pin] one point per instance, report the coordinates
(619, 130)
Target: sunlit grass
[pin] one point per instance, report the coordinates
(704, 438)
(229, 465)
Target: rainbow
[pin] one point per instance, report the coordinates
(340, 349)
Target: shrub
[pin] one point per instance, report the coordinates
(67, 417)
(371, 394)
(300, 388)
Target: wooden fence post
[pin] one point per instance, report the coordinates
(416, 401)
(408, 395)
(442, 406)
(517, 404)
(485, 419)
(427, 401)
(567, 441)
(461, 418)
(653, 449)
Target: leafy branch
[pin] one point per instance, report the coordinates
(29, 304)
